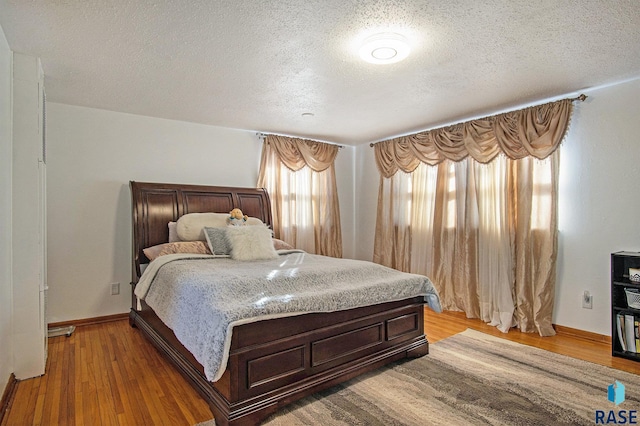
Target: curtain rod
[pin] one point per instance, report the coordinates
(264, 135)
(580, 98)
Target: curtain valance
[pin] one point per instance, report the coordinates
(536, 131)
(296, 153)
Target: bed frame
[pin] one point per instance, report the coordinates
(273, 362)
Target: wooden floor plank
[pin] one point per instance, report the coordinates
(22, 408)
(90, 409)
(50, 387)
(109, 374)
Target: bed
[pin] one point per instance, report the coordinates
(272, 362)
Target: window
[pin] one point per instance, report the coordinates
(541, 208)
(304, 202)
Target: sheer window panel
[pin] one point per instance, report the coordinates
(304, 199)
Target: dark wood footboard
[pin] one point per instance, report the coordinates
(275, 362)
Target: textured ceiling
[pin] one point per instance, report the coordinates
(259, 65)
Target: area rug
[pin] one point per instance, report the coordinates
(471, 379)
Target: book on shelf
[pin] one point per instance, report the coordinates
(620, 327)
(630, 332)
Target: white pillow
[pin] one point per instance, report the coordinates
(253, 221)
(190, 226)
(173, 232)
(251, 243)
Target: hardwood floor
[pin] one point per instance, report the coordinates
(440, 326)
(108, 374)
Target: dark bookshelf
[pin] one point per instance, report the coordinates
(620, 264)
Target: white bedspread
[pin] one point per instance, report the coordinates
(202, 297)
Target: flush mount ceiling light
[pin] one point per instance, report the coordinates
(384, 48)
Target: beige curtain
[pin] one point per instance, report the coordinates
(300, 177)
(532, 132)
(474, 207)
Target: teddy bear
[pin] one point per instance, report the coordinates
(236, 218)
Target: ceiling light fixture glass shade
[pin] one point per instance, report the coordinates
(385, 48)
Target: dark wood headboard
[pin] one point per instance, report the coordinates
(154, 205)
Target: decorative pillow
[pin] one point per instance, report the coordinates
(251, 242)
(281, 245)
(217, 240)
(196, 247)
(190, 227)
(253, 221)
(173, 232)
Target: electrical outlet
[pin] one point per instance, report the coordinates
(115, 289)
(587, 300)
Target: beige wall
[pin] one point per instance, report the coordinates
(599, 202)
(367, 181)
(346, 196)
(92, 155)
(6, 294)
